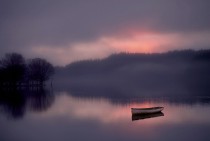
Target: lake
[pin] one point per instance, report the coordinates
(59, 115)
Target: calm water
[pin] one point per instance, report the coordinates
(44, 115)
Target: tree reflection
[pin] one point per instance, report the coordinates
(15, 103)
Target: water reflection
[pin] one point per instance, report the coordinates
(105, 111)
(66, 117)
(16, 103)
(146, 116)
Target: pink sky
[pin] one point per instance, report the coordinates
(66, 31)
(130, 42)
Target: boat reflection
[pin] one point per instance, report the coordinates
(146, 116)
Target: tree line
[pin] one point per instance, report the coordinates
(16, 71)
(174, 73)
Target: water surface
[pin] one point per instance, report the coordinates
(60, 116)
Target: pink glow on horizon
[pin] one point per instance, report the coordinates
(142, 42)
(129, 40)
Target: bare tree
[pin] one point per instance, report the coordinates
(1, 74)
(12, 68)
(39, 70)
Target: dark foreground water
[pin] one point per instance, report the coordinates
(59, 116)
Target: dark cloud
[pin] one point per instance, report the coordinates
(25, 23)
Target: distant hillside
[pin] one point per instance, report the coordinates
(184, 72)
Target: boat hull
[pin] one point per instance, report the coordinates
(146, 110)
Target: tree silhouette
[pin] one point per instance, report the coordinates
(39, 70)
(12, 69)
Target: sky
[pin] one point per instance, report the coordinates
(64, 31)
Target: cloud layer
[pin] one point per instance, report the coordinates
(65, 26)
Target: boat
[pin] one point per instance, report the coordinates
(146, 116)
(146, 110)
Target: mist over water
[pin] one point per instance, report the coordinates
(92, 100)
(176, 73)
(62, 116)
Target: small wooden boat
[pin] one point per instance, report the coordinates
(146, 110)
(146, 116)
